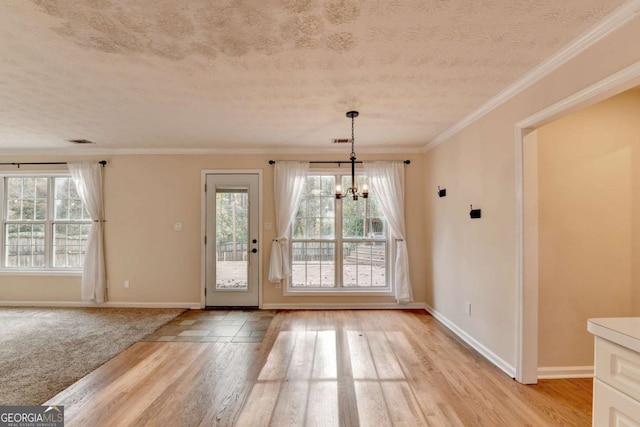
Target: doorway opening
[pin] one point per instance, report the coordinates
(527, 208)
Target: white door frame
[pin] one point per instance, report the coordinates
(526, 280)
(203, 227)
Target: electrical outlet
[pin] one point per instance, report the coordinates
(177, 226)
(467, 308)
(126, 284)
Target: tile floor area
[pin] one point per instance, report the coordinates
(216, 326)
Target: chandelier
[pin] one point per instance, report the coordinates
(352, 191)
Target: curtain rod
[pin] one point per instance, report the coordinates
(18, 164)
(338, 162)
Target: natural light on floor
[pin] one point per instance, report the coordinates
(300, 377)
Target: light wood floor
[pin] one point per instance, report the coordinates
(323, 368)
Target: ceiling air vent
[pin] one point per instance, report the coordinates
(80, 141)
(341, 140)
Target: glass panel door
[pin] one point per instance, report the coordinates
(232, 240)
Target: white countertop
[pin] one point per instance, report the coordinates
(624, 331)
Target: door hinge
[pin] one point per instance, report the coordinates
(205, 240)
(205, 188)
(205, 292)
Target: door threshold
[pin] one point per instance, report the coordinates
(231, 307)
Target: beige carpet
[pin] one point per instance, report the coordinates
(43, 351)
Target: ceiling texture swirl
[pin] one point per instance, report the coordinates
(264, 75)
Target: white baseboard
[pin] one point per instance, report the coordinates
(488, 354)
(190, 305)
(557, 372)
(343, 306)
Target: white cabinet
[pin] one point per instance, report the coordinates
(616, 386)
(613, 408)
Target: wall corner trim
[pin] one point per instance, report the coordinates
(560, 372)
(476, 345)
(616, 19)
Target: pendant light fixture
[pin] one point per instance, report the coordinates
(353, 190)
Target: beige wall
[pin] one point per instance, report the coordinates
(589, 231)
(475, 260)
(146, 195)
(459, 260)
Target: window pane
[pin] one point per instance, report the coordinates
(26, 198)
(362, 218)
(315, 239)
(41, 209)
(68, 205)
(27, 209)
(315, 218)
(69, 244)
(24, 245)
(28, 187)
(232, 238)
(313, 264)
(364, 264)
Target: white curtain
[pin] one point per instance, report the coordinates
(289, 181)
(87, 177)
(387, 182)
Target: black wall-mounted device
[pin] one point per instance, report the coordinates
(475, 213)
(442, 192)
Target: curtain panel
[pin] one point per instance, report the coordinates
(289, 182)
(387, 181)
(87, 177)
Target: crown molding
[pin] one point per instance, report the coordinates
(622, 80)
(615, 20)
(201, 151)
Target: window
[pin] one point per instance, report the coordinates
(338, 245)
(45, 225)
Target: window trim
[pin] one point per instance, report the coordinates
(49, 269)
(387, 290)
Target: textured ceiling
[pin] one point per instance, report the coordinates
(265, 74)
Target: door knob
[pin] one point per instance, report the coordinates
(254, 250)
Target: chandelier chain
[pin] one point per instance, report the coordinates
(353, 138)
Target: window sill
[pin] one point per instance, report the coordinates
(48, 272)
(333, 292)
